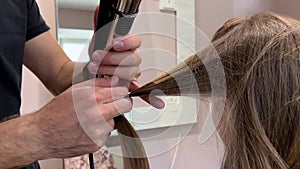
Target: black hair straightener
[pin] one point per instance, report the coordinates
(115, 18)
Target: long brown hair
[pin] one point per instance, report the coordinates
(134, 155)
(261, 59)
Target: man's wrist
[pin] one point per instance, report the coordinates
(81, 73)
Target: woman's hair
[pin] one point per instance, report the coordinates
(261, 59)
(134, 155)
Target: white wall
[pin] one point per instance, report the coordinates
(287, 7)
(242, 8)
(157, 51)
(77, 19)
(210, 15)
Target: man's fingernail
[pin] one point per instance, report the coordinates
(97, 56)
(93, 68)
(118, 44)
(115, 79)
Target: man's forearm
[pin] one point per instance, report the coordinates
(19, 145)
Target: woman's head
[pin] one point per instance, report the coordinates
(261, 58)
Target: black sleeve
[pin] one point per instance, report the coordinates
(35, 23)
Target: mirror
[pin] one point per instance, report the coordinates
(75, 25)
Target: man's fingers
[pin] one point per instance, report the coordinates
(107, 81)
(107, 95)
(133, 86)
(127, 58)
(154, 101)
(129, 42)
(116, 108)
(127, 73)
(100, 82)
(151, 99)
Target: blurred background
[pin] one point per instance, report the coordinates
(71, 23)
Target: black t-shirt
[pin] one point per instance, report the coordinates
(20, 21)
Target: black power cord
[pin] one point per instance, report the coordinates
(106, 15)
(91, 160)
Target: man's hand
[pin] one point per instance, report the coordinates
(76, 122)
(122, 61)
(79, 120)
